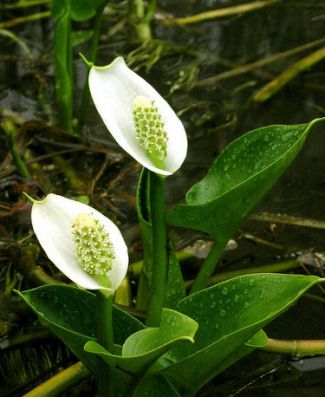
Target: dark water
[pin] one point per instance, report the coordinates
(215, 114)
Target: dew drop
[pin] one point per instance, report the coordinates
(222, 313)
(251, 282)
(224, 291)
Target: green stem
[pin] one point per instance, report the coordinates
(271, 88)
(221, 13)
(135, 268)
(10, 129)
(160, 260)
(92, 57)
(24, 19)
(63, 69)
(151, 10)
(105, 320)
(18, 161)
(139, 9)
(25, 339)
(60, 382)
(142, 23)
(297, 347)
(271, 268)
(208, 266)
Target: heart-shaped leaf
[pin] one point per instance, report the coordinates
(241, 175)
(145, 347)
(229, 314)
(70, 313)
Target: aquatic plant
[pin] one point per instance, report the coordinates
(186, 340)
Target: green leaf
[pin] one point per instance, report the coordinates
(81, 10)
(157, 386)
(70, 313)
(175, 290)
(257, 340)
(80, 36)
(59, 8)
(229, 314)
(239, 178)
(143, 209)
(145, 347)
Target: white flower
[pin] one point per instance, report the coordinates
(85, 245)
(139, 119)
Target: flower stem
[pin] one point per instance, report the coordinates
(92, 56)
(208, 266)
(160, 260)
(105, 320)
(270, 268)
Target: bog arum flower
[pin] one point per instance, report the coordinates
(139, 119)
(85, 245)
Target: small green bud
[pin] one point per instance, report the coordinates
(94, 248)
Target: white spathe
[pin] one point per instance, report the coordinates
(52, 220)
(114, 88)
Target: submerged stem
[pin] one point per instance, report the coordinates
(297, 347)
(160, 260)
(61, 382)
(208, 266)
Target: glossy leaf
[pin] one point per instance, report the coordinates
(239, 178)
(81, 10)
(145, 347)
(143, 209)
(257, 340)
(175, 290)
(70, 313)
(157, 386)
(229, 314)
